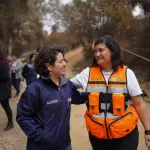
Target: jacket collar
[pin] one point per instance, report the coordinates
(63, 80)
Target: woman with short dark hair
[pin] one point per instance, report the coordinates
(114, 100)
(43, 111)
(5, 88)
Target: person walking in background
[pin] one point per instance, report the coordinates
(5, 88)
(114, 100)
(43, 111)
(28, 71)
(16, 73)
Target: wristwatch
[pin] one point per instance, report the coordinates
(147, 132)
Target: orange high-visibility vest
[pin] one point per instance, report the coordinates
(110, 112)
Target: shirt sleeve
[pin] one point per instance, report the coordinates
(132, 84)
(81, 79)
(18, 66)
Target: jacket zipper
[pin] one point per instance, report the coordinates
(60, 92)
(119, 119)
(94, 120)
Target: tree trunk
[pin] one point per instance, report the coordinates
(10, 47)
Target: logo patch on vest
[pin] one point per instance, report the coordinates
(97, 78)
(114, 79)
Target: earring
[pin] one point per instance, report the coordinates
(50, 72)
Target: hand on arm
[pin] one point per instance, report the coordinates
(77, 97)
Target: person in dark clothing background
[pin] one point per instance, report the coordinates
(5, 88)
(28, 71)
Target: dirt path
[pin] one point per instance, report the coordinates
(15, 138)
(73, 57)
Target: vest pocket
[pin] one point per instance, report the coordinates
(94, 103)
(122, 126)
(96, 128)
(118, 104)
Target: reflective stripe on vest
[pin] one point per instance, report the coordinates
(106, 123)
(116, 83)
(103, 89)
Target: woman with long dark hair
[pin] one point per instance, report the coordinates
(114, 100)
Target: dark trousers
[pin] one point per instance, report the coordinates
(6, 106)
(129, 142)
(16, 84)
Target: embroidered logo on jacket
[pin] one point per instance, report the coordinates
(52, 101)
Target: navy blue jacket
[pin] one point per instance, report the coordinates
(28, 73)
(43, 113)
